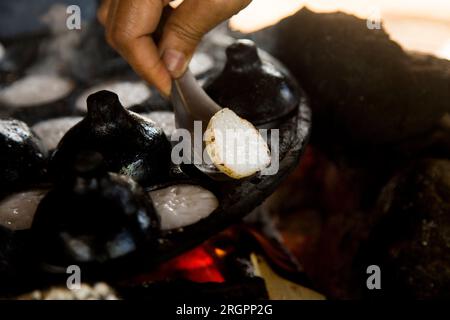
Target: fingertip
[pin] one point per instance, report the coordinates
(165, 89)
(160, 78)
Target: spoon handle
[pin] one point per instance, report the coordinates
(191, 102)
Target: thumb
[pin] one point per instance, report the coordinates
(186, 26)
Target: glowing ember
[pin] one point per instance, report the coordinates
(198, 265)
(219, 252)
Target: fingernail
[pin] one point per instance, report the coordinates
(175, 62)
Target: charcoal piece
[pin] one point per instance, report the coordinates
(411, 241)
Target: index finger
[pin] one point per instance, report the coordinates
(130, 31)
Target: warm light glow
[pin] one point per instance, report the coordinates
(220, 253)
(196, 265)
(444, 52)
(416, 24)
(262, 13)
(175, 3)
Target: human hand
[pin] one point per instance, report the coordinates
(130, 23)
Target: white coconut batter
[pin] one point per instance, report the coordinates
(52, 131)
(182, 205)
(35, 90)
(130, 93)
(17, 210)
(235, 146)
(163, 119)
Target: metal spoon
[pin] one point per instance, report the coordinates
(191, 103)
